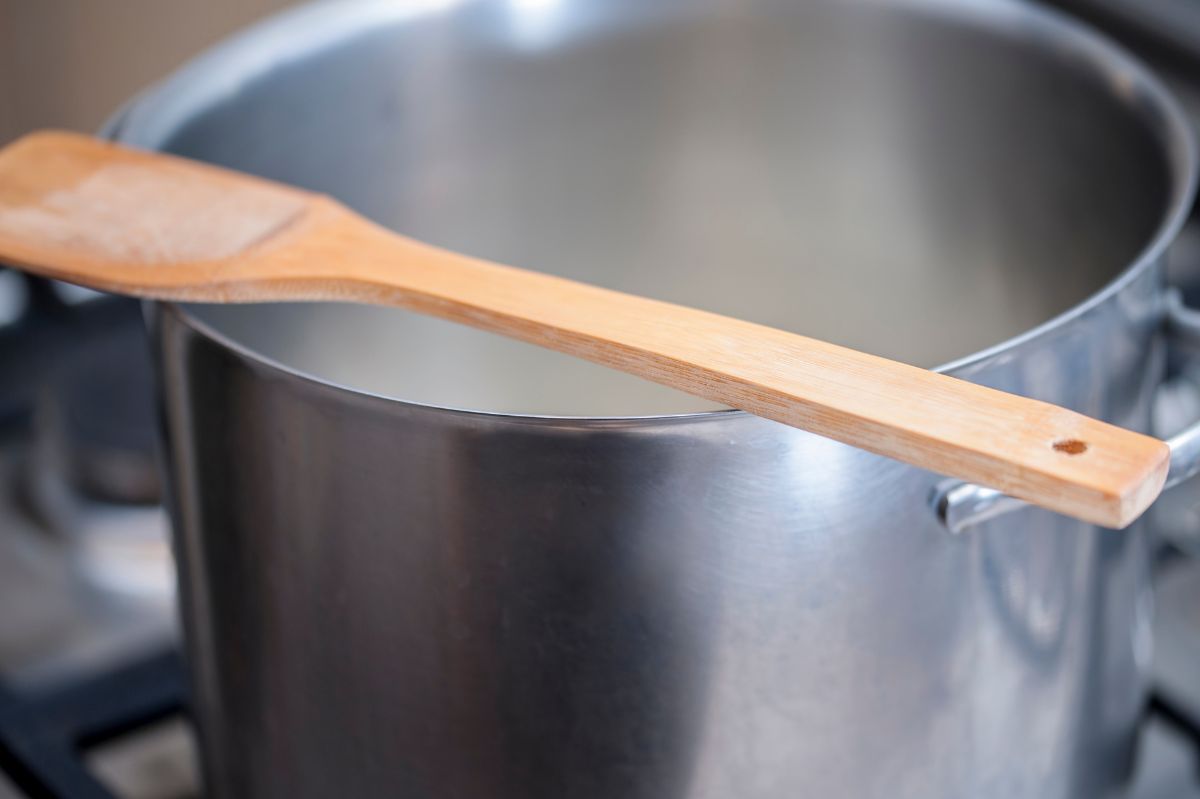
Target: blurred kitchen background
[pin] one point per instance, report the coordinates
(71, 63)
(88, 649)
(86, 592)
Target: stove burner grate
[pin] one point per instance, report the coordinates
(43, 738)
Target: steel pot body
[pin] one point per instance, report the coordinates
(390, 598)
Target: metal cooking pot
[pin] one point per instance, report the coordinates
(418, 560)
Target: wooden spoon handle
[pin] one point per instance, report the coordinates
(1039, 452)
(86, 211)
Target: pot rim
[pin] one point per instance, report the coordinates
(150, 117)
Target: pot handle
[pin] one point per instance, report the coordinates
(960, 506)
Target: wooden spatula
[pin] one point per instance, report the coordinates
(89, 212)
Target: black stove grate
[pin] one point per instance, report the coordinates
(43, 737)
(1175, 715)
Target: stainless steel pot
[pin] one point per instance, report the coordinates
(421, 561)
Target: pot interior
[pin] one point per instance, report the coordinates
(907, 179)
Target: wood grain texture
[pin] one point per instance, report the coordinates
(278, 243)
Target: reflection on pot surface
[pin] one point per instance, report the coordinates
(385, 597)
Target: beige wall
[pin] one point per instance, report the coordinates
(70, 63)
